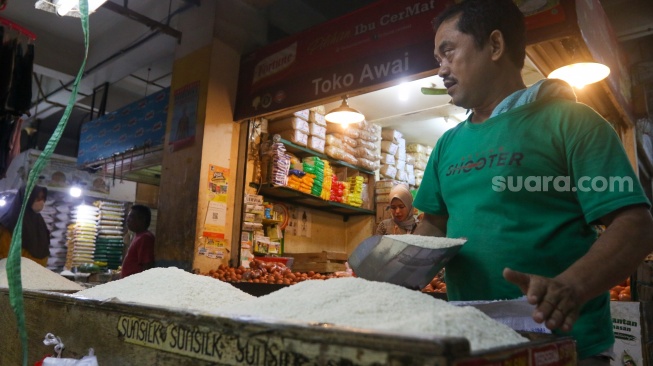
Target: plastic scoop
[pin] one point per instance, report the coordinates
(386, 259)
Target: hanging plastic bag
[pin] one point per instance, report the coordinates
(51, 339)
(89, 360)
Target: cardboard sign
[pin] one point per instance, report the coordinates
(626, 323)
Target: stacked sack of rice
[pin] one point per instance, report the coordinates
(417, 155)
(56, 215)
(317, 129)
(341, 143)
(393, 156)
(294, 128)
(356, 144)
(81, 236)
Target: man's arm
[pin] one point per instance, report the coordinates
(432, 225)
(626, 241)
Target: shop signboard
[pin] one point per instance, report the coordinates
(383, 43)
(137, 125)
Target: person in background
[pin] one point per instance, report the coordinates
(537, 241)
(401, 205)
(140, 255)
(35, 235)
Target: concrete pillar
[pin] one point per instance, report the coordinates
(207, 59)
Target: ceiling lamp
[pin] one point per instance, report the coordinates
(344, 114)
(580, 74)
(67, 7)
(582, 69)
(75, 191)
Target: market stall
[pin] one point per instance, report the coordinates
(313, 192)
(296, 161)
(75, 220)
(290, 157)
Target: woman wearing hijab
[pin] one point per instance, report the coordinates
(36, 236)
(401, 205)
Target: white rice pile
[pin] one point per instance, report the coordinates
(429, 242)
(359, 303)
(169, 287)
(36, 277)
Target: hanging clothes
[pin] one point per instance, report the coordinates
(24, 93)
(7, 58)
(16, 67)
(20, 89)
(14, 143)
(6, 133)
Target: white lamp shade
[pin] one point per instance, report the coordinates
(580, 74)
(94, 4)
(64, 7)
(344, 114)
(67, 7)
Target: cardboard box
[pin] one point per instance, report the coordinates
(558, 353)
(632, 322)
(286, 261)
(253, 199)
(382, 212)
(320, 262)
(385, 183)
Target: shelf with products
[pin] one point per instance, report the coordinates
(263, 224)
(303, 151)
(292, 196)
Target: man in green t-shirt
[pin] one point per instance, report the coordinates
(525, 178)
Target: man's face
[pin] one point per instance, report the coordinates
(133, 223)
(463, 66)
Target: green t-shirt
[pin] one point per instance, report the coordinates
(525, 188)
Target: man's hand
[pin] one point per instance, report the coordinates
(557, 304)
